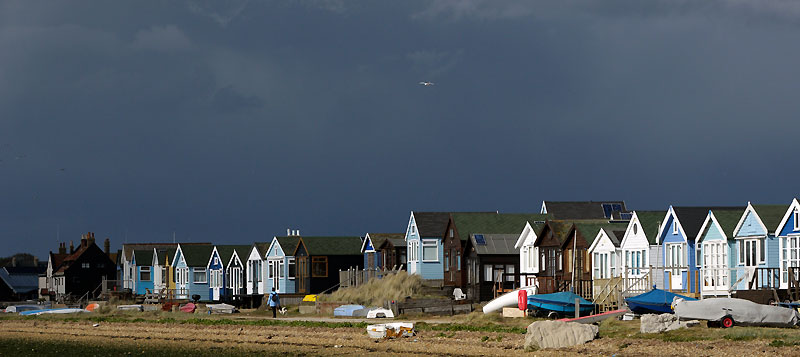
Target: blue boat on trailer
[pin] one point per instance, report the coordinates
(557, 305)
(655, 301)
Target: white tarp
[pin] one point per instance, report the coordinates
(742, 311)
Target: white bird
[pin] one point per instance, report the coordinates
(426, 83)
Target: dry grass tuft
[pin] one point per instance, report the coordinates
(377, 291)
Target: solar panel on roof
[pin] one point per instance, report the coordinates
(479, 239)
(607, 210)
(616, 207)
(625, 215)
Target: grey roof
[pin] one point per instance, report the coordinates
(20, 283)
(578, 209)
(496, 244)
(614, 235)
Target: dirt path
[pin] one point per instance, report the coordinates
(352, 341)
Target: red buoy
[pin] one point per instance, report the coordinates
(522, 299)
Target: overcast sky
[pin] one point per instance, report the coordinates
(230, 121)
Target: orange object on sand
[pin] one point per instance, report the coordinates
(92, 306)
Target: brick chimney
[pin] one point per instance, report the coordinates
(89, 238)
(107, 246)
(71, 247)
(62, 248)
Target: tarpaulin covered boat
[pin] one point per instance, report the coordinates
(655, 301)
(561, 304)
(729, 311)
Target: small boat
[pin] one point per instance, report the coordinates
(559, 304)
(52, 311)
(350, 310)
(655, 301)
(221, 309)
(130, 307)
(21, 308)
(507, 299)
(380, 313)
(189, 307)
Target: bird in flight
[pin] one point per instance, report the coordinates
(426, 83)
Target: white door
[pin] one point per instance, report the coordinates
(236, 280)
(675, 264)
(274, 274)
(715, 268)
(182, 280)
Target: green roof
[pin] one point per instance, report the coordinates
(226, 252)
(590, 229)
(261, 248)
(288, 244)
(771, 215)
(728, 220)
(651, 222)
(197, 255)
(143, 256)
(560, 230)
(332, 245)
(494, 223)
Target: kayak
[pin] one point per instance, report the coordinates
(561, 304)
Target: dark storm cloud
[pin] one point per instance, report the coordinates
(230, 121)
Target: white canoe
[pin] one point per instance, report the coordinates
(53, 311)
(507, 299)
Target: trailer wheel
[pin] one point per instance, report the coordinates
(727, 322)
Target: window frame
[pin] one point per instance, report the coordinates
(291, 268)
(319, 260)
(148, 271)
(430, 243)
(194, 276)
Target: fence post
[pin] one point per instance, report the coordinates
(577, 307)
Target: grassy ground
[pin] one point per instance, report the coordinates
(45, 348)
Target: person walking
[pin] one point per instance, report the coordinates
(274, 302)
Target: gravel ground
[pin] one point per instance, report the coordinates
(352, 341)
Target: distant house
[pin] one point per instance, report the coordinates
(129, 271)
(423, 237)
(84, 270)
(638, 249)
(256, 270)
(163, 274)
(54, 261)
(493, 265)
(583, 210)
(605, 253)
(282, 266)
(376, 256)
(19, 283)
(577, 263)
(235, 273)
(457, 272)
(191, 271)
(714, 246)
(142, 260)
(319, 260)
(549, 244)
(677, 240)
(528, 253)
(393, 252)
(788, 233)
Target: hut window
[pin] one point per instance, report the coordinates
(458, 265)
(292, 268)
(509, 273)
(487, 272)
(430, 250)
(144, 274)
(451, 232)
(319, 267)
(635, 228)
(199, 275)
(796, 219)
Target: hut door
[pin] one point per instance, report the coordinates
(302, 274)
